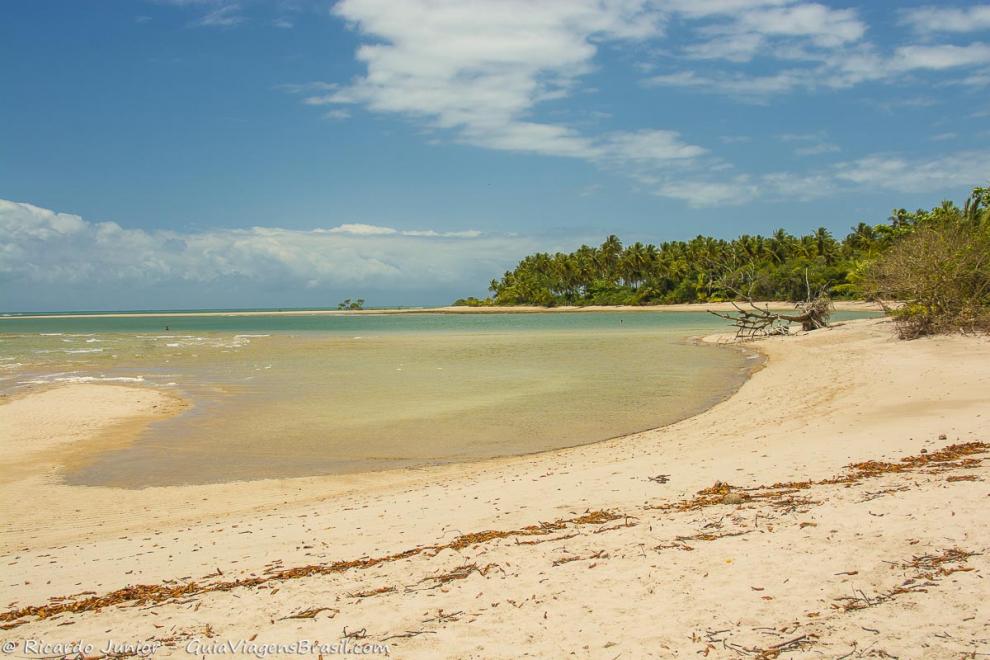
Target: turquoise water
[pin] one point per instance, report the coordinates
(350, 323)
(282, 396)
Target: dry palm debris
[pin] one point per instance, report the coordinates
(928, 570)
(957, 456)
(948, 458)
(782, 494)
(934, 566)
(153, 593)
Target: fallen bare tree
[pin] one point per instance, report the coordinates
(754, 321)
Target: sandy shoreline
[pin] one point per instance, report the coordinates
(841, 305)
(654, 575)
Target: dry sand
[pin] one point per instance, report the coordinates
(874, 563)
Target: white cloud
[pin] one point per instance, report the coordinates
(42, 248)
(948, 19)
(480, 70)
(223, 16)
(793, 31)
(747, 87)
(699, 193)
(709, 8)
(894, 172)
(362, 230)
(823, 26)
(937, 58)
(836, 70)
(877, 171)
(649, 146)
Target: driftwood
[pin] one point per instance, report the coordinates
(812, 314)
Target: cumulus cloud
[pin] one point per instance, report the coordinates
(948, 19)
(480, 70)
(699, 193)
(810, 46)
(937, 58)
(47, 250)
(895, 172)
(838, 70)
(798, 27)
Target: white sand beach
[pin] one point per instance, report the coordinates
(600, 551)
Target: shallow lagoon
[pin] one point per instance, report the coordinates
(304, 395)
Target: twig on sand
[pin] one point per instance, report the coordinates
(371, 592)
(312, 612)
(355, 634)
(408, 634)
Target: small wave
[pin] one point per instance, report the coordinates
(50, 334)
(83, 379)
(84, 350)
(248, 336)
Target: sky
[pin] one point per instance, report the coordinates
(191, 154)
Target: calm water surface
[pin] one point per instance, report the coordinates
(306, 395)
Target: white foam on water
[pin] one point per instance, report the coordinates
(83, 379)
(84, 350)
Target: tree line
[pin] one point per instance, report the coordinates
(781, 266)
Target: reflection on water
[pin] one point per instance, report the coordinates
(275, 400)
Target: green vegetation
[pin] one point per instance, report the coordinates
(940, 270)
(936, 262)
(349, 304)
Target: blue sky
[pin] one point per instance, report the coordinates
(221, 153)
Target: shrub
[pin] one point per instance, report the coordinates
(941, 274)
